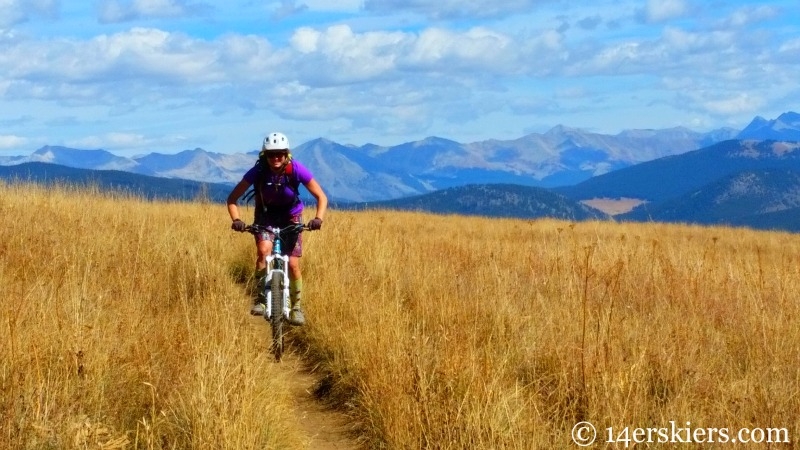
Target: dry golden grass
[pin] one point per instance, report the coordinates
(124, 326)
(452, 332)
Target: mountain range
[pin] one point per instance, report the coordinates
(561, 156)
(726, 176)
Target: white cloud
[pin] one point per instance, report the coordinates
(478, 48)
(681, 42)
(664, 10)
(675, 52)
(338, 55)
(747, 15)
(348, 56)
(160, 59)
(123, 140)
(734, 104)
(305, 39)
(12, 142)
(113, 11)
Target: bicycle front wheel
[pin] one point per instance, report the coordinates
(276, 321)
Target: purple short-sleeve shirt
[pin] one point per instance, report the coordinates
(277, 190)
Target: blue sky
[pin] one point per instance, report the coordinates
(140, 76)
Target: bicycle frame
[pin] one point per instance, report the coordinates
(277, 265)
(276, 285)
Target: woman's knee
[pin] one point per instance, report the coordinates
(264, 248)
(294, 265)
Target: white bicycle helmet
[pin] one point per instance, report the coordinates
(275, 142)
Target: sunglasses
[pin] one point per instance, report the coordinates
(277, 155)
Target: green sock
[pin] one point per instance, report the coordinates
(295, 287)
(261, 282)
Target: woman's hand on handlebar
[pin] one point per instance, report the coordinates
(314, 224)
(238, 225)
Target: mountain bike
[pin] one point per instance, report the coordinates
(276, 285)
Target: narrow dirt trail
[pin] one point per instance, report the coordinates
(321, 427)
(324, 428)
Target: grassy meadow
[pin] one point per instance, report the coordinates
(124, 325)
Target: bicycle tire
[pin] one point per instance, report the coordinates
(276, 321)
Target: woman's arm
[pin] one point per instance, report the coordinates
(233, 198)
(322, 200)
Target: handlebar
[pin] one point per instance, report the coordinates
(293, 228)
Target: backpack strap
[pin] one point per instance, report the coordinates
(293, 181)
(291, 177)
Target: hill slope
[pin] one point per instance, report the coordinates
(673, 176)
(140, 185)
(495, 200)
(756, 198)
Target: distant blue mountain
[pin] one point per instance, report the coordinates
(749, 197)
(785, 128)
(673, 176)
(561, 156)
(162, 162)
(82, 159)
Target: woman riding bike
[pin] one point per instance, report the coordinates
(276, 180)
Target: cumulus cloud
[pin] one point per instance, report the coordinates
(349, 56)
(137, 55)
(345, 55)
(114, 11)
(479, 49)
